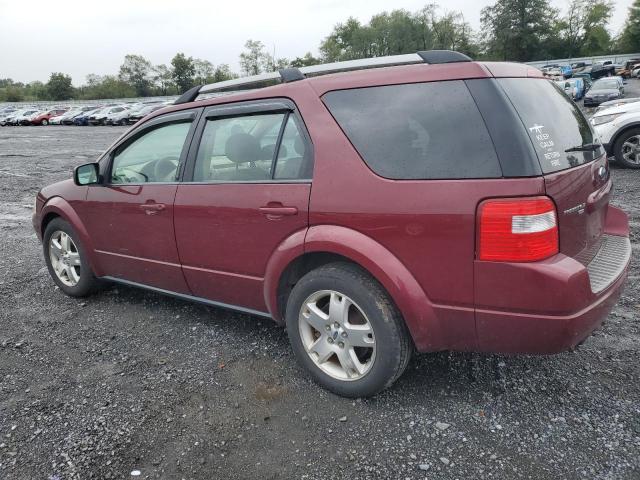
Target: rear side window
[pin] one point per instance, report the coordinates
(553, 121)
(416, 131)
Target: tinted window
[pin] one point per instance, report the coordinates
(417, 131)
(152, 157)
(238, 149)
(553, 121)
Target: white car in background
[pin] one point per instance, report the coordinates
(619, 131)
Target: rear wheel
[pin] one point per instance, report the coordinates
(627, 148)
(345, 330)
(66, 260)
(45, 122)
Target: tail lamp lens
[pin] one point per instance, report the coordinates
(518, 230)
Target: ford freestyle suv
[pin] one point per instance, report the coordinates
(373, 207)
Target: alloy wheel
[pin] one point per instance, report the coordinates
(337, 335)
(65, 258)
(631, 149)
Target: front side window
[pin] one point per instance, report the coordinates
(246, 149)
(153, 157)
(416, 131)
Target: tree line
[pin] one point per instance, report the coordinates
(516, 30)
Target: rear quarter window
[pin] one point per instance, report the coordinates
(553, 122)
(416, 131)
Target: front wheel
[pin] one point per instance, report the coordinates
(45, 122)
(346, 331)
(627, 148)
(66, 260)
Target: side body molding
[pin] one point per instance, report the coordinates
(405, 291)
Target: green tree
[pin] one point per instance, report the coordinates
(183, 71)
(254, 59)
(223, 72)
(518, 29)
(136, 71)
(204, 71)
(629, 41)
(163, 78)
(59, 87)
(305, 61)
(104, 87)
(13, 94)
(397, 32)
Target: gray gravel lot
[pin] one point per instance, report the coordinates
(129, 380)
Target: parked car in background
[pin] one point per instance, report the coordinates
(603, 90)
(43, 117)
(511, 248)
(557, 70)
(144, 111)
(586, 79)
(573, 87)
(100, 117)
(122, 118)
(83, 118)
(615, 103)
(69, 117)
(627, 68)
(8, 118)
(618, 128)
(595, 71)
(25, 117)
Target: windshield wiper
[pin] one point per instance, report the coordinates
(587, 147)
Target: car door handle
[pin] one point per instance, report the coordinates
(152, 208)
(278, 211)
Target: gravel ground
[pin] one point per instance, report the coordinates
(129, 382)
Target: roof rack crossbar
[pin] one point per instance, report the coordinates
(295, 74)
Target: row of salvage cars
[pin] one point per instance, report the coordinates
(594, 93)
(82, 115)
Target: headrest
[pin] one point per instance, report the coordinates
(267, 152)
(242, 148)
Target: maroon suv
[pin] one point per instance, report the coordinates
(436, 204)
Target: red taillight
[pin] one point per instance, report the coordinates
(518, 230)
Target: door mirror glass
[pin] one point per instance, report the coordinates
(86, 174)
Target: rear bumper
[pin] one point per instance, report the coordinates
(565, 300)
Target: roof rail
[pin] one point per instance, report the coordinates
(294, 74)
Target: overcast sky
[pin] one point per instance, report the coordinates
(79, 37)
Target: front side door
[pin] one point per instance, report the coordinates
(250, 180)
(130, 216)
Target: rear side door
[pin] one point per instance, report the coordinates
(130, 216)
(246, 189)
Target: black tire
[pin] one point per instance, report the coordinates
(393, 344)
(87, 283)
(617, 148)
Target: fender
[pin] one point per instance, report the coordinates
(408, 295)
(63, 208)
(290, 249)
(620, 131)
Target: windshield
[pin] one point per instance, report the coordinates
(554, 123)
(605, 84)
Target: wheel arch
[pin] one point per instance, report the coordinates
(58, 207)
(329, 243)
(619, 133)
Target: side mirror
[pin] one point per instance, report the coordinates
(87, 174)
